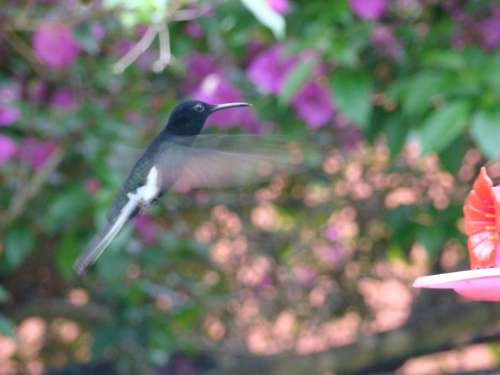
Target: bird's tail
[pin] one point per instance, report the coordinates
(102, 239)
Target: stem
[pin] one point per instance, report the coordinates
(165, 52)
(136, 50)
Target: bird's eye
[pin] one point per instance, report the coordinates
(199, 107)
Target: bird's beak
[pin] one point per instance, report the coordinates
(218, 107)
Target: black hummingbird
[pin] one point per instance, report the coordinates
(179, 158)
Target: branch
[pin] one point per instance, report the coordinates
(378, 351)
(88, 313)
(136, 50)
(32, 188)
(21, 47)
(165, 52)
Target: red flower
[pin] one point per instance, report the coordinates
(480, 212)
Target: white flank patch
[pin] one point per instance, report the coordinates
(142, 196)
(146, 193)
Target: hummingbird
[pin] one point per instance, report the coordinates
(172, 159)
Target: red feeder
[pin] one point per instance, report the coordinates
(482, 225)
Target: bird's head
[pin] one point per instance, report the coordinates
(188, 117)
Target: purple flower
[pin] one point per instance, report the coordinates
(269, 69)
(214, 89)
(55, 45)
(384, 40)
(8, 148)
(349, 136)
(64, 99)
(193, 29)
(97, 31)
(314, 104)
(199, 66)
(368, 9)
(253, 48)
(146, 228)
(206, 82)
(279, 6)
(8, 115)
(489, 31)
(37, 91)
(36, 152)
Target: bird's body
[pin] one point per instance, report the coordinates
(137, 177)
(154, 173)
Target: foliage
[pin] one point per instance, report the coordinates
(401, 99)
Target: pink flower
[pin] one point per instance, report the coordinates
(368, 9)
(8, 115)
(331, 233)
(8, 148)
(64, 99)
(193, 29)
(92, 185)
(330, 255)
(314, 104)
(146, 228)
(269, 69)
(36, 152)
(304, 274)
(55, 45)
(133, 117)
(279, 6)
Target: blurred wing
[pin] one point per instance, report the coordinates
(213, 161)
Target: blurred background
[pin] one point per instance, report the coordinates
(307, 273)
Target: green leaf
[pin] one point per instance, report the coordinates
(6, 326)
(446, 59)
(295, 79)
(4, 295)
(19, 244)
(420, 91)
(451, 157)
(443, 126)
(432, 238)
(103, 338)
(66, 208)
(396, 131)
(267, 16)
(352, 90)
(485, 131)
(66, 253)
